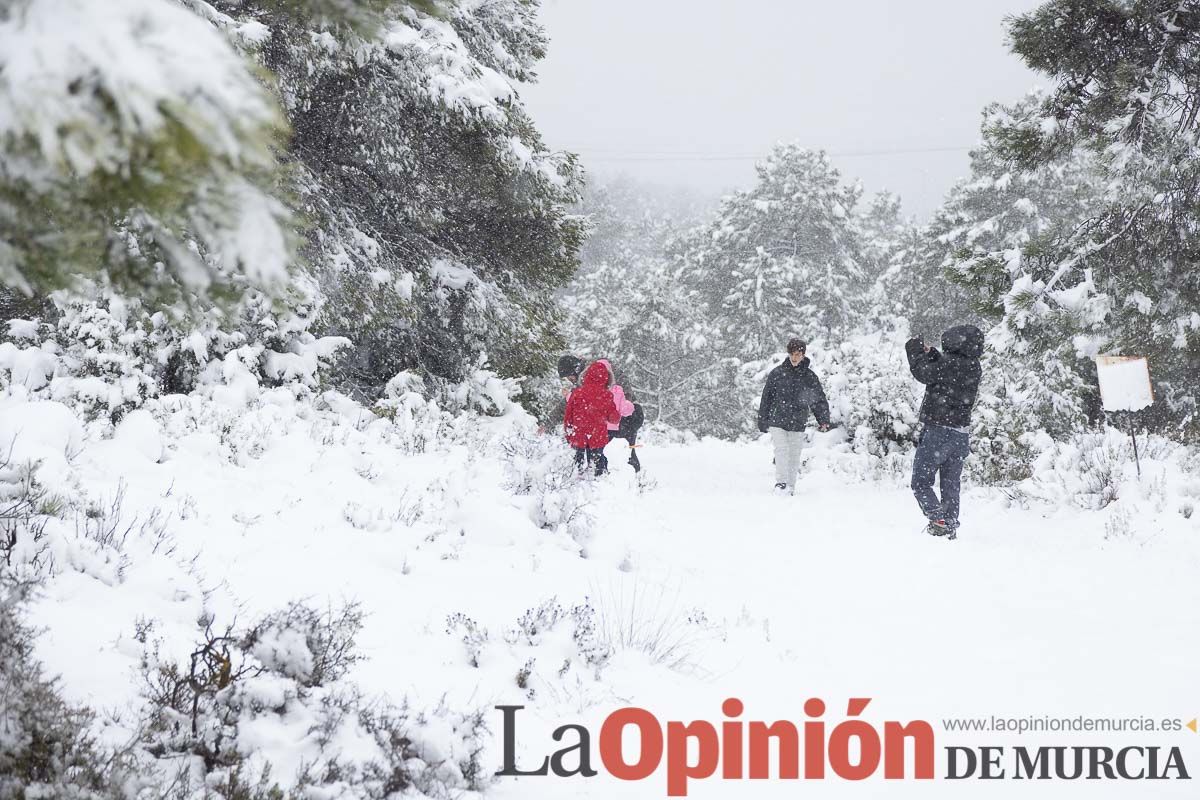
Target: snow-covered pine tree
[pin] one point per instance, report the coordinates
(628, 305)
(440, 231)
(139, 148)
(639, 316)
(781, 257)
(1124, 278)
(906, 263)
(881, 226)
(960, 266)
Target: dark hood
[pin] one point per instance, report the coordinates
(570, 367)
(965, 340)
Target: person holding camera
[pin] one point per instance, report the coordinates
(951, 379)
(792, 389)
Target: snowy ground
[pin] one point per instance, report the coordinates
(833, 593)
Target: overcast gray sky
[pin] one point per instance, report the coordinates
(687, 92)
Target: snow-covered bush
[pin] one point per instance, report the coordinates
(474, 636)
(631, 615)
(420, 421)
(1096, 471)
(48, 523)
(483, 392)
(46, 746)
(568, 638)
(312, 647)
(1086, 471)
(543, 469)
(195, 705)
(107, 355)
(243, 702)
(26, 509)
(438, 753)
(870, 389)
(107, 363)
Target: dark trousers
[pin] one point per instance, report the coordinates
(940, 453)
(589, 456)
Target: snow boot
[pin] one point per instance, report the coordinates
(781, 489)
(938, 527)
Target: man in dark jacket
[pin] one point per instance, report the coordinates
(951, 380)
(792, 389)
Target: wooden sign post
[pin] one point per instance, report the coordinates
(1125, 386)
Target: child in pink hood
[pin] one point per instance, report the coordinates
(624, 407)
(631, 418)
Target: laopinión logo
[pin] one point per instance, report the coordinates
(853, 750)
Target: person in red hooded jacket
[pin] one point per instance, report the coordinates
(590, 410)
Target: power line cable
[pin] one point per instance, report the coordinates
(615, 155)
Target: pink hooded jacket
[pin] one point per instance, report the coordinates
(624, 407)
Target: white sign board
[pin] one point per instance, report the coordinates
(1124, 383)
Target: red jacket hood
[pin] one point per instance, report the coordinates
(596, 375)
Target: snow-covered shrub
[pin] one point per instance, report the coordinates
(107, 361)
(1089, 470)
(46, 748)
(26, 509)
(243, 701)
(364, 518)
(419, 420)
(105, 523)
(525, 459)
(870, 389)
(543, 469)
(106, 355)
(566, 638)
(633, 616)
(312, 647)
(571, 632)
(29, 359)
(1119, 526)
(195, 705)
(484, 392)
(1096, 470)
(1003, 445)
(48, 524)
(438, 752)
(474, 636)
(39, 497)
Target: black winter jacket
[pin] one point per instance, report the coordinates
(951, 377)
(788, 395)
